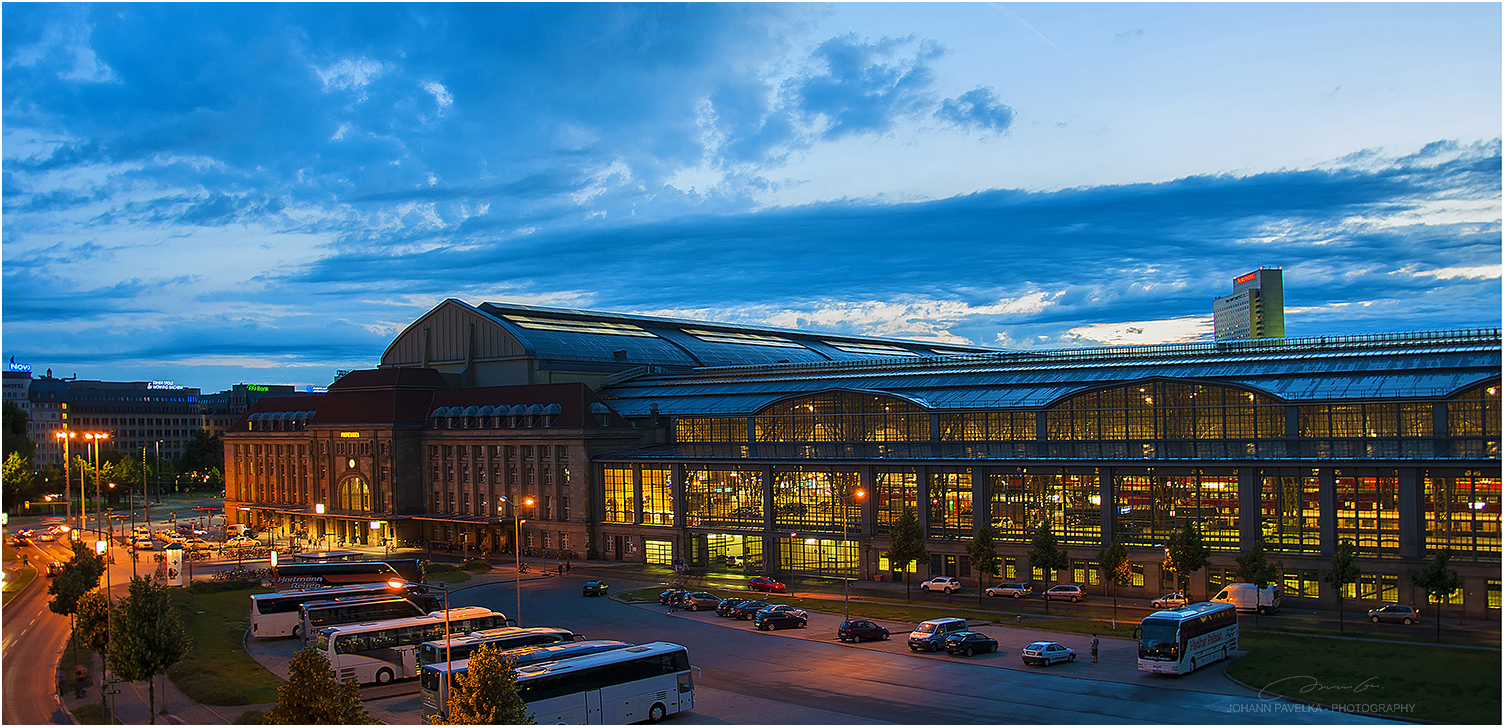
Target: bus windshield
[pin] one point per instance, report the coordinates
(323, 641)
(1158, 639)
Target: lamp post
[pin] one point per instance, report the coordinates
(517, 551)
(94, 439)
(444, 706)
(846, 605)
(67, 437)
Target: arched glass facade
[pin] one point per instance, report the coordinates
(353, 494)
(843, 417)
(1166, 420)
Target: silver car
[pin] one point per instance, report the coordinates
(1046, 653)
(1394, 613)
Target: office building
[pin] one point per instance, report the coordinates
(158, 415)
(1256, 310)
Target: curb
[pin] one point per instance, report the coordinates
(1324, 706)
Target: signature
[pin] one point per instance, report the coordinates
(1306, 684)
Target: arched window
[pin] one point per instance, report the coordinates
(843, 417)
(1165, 419)
(353, 494)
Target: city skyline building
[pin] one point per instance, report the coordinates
(739, 449)
(1255, 309)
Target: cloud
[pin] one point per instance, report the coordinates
(977, 108)
(1128, 35)
(350, 74)
(441, 95)
(859, 87)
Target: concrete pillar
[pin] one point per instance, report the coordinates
(1412, 518)
(1250, 486)
(922, 499)
(637, 494)
(868, 504)
(1106, 509)
(982, 505)
(1327, 520)
(677, 492)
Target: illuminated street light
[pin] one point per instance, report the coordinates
(517, 550)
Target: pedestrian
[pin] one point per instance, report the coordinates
(566, 566)
(559, 569)
(79, 676)
(673, 604)
(1019, 619)
(1094, 648)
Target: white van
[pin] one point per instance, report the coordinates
(1249, 598)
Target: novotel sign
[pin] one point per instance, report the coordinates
(14, 367)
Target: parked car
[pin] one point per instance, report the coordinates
(777, 618)
(746, 610)
(968, 643)
(236, 542)
(1013, 589)
(858, 630)
(765, 584)
(931, 634)
(1173, 600)
(785, 608)
(1394, 613)
(144, 544)
(593, 589)
(1069, 592)
(724, 609)
(56, 567)
(696, 601)
(1046, 653)
(1250, 598)
(197, 544)
(945, 584)
(669, 596)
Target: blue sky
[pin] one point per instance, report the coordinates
(229, 193)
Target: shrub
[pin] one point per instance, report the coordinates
(476, 566)
(442, 568)
(251, 717)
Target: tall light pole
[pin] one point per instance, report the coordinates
(94, 438)
(517, 551)
(67, 437)
(444, 704)
(846, 605)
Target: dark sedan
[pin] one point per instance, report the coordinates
(593, 589)
(777, 619)
(724, 609)
(859, 630)
(969, 643)
(746, 610)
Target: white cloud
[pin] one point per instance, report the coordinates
(1134, 333)
(441, 94)
(616, 174)
(1478, 271)
(350, 74)
(340, 132)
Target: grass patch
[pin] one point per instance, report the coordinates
(250, 717)
(453, 576)
(476, 566)
(16, 581)
(217, 670)
(90, 714)
(1125, 628)
(1447, 685)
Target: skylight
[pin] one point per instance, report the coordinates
(580, 327)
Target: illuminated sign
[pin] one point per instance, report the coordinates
(258, 388)
(315, 390)
(14, 367)
(350, 434)
(162, 384)
(1245, 278)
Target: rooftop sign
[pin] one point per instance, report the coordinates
(162, 384)
(1245, 278)
(14, 367)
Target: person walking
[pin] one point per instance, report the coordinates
(673, 604)
(1094, 648)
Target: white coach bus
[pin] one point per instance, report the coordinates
(1179, 641)
(380, 652)
(276, 614)
(435, 678)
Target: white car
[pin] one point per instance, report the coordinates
(946, 584)
(1173, 600)
(1015, 589)
(1045, 653)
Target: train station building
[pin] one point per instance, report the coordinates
(743, 449)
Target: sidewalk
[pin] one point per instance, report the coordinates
(131, 704)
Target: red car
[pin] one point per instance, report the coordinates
(765, 584)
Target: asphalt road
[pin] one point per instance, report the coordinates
(31, 637)
(870, 685)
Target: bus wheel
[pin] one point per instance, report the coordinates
(383, 676)
(657, 713)
(298, 631)
(1193, 664)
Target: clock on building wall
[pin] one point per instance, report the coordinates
(352, 463)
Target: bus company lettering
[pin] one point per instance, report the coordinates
(1206, 640)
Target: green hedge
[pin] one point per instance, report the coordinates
(476, 566)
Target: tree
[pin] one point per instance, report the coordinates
(1113, 559)
(1342, 573)
(203, 452)
(1254, 568)
(983, 551)
(1185, 554)
(1439, 582)
(907, 545)
(80, 575)
(1044, 554)
(20, 480)
(486, 693)
(91, 629)
(14, 438)
(311, 695)
(148, 636)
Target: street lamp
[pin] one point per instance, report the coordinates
(67, 437)
(846, 607)
(94, 439)
(400, 584)
(517, 550)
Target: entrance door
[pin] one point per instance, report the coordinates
(950, 566)
(616, 547)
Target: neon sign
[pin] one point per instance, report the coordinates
(1245, 278)
(14, 367)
